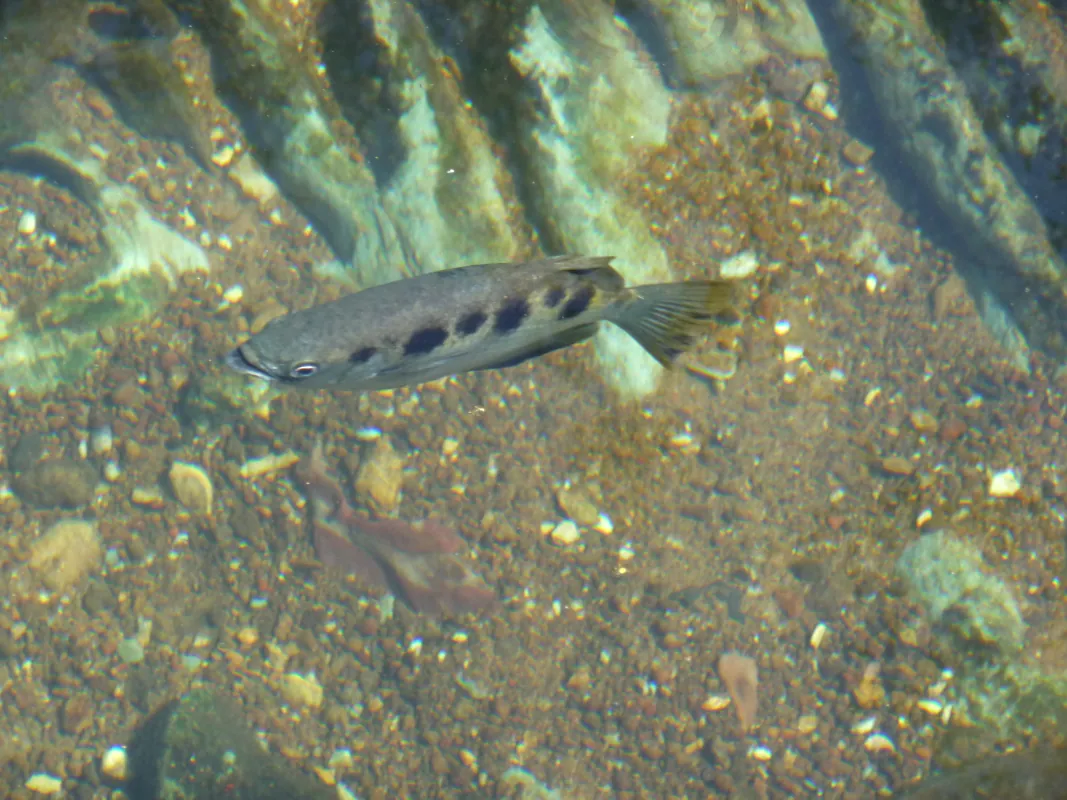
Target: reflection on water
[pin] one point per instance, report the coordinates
(824, 558)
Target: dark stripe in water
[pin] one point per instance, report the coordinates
(511, 315)
(471, 323)
(578, 303)
(425, 341)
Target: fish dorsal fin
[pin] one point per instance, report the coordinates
(596, 269)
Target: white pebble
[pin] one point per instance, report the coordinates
(739, 266)
(865, 726)
(871, 283)
(626, 553)
(818, 635)
(1004, 484)
(879, 743)
(604, 524)
(368, 434)
(114, 763)
(223, 156)
(782, 327)
(449, 446)
(760, 753)
(565, 533)
(27, 223)
(234, 294)
(792, 352)
(43, 783)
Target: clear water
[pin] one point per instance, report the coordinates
(821, 557)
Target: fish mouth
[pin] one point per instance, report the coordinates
(237, 360)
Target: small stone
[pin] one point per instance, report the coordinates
(565, 533)
(302, 690)
(857, 153)
(77, 714)
(27, 223)
(897, 465)
(739, 266)
(1004, 484)
(923, 421)
(952, 429)
(43, 783)
(115, 763)
(150, 497)
(58, 483)
(192, 487)
(577, 505)
(131, 651)
(274, 462)
(381, 475)
(68, 552)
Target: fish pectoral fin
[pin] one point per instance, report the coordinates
(542, 347)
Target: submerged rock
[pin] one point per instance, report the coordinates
(595, 103)
(948, 577)
(69, 551)
(1022, 281)
(381, 476)
(58, 483)
(192, 487)
(53, 339)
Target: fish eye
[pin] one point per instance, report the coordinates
(305, 370)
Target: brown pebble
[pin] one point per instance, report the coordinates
(129, 395)
(740, 676)
(897, 465)
(77, 714)
(791, 603)
(857, 153)
(952, 429)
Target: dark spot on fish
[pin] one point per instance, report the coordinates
(555, 296)
(578, 302)
(425, 341)
(470, 324)
(362, 356)
(511, 315)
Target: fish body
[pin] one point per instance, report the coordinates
(486, 316)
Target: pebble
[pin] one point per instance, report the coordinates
(577, 505)
(130, 651)
(43, 783)
(381, 475)
(565, 533)
(302, 690)
(58, 483)
(101, 440)
(923, 421)
(739, 266)
(66, 553)
(115, 763)
(1004, 484)
(27, 223)
(879, 743)
(192, 487)
(897, 465)
(150, 497)
(857, 153)
(275, 462)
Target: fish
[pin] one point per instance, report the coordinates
(421, 562)
(480, 317)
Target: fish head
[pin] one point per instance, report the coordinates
(295, 351)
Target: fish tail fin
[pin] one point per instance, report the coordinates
(664, 317)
